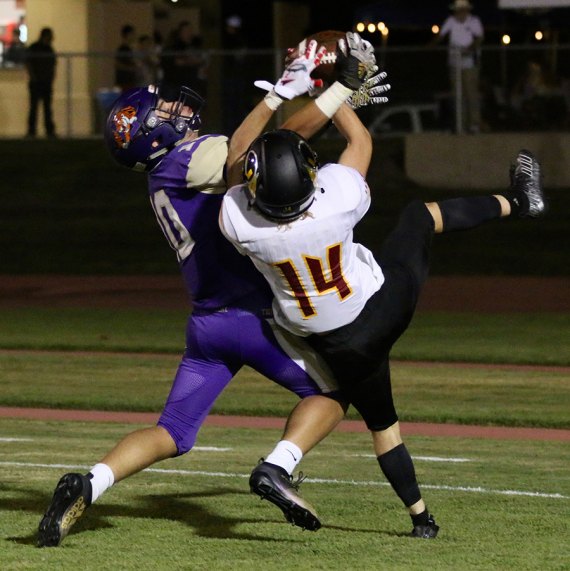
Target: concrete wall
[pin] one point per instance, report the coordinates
(13, 102)
(482, 161)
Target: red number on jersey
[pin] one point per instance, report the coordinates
(333, 279)
(290, 272)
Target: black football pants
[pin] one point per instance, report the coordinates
(358, 353)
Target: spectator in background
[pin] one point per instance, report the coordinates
(235, 80)
(23, 29)
(465, 33)
(148, 61)
(126, 65)
(16, 52)
(538, 98)
(182, 63)
(41, 63)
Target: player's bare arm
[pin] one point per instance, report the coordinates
(253, 123)
(355, 61)
(358, 151)
(296, 80)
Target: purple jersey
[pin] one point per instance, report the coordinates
(186, 191)
(226, 329)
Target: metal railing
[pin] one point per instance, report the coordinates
(519, 88)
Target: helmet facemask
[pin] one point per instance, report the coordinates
(145, 124)
(183, 111)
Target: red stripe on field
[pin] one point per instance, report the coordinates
(408, 428)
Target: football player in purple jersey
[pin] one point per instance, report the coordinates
(156, 131)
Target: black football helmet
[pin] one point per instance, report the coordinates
(280, 171)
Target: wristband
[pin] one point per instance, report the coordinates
(331, 100)
(272, 100)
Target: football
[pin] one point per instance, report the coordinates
(328, 38)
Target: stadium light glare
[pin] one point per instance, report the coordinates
(435, 29)
(538, 35)
(360, 27)
(385, 31)
(371, 28)
(506, 39)
(381, 26)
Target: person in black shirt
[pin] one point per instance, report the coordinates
(41, 64)
(16, 52)
(182, 61)
(126, 68)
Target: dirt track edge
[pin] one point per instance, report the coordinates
(229, 421)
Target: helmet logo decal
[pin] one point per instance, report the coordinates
(122, 123)
(251, 173)
(310, 159)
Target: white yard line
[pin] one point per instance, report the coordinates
(359, 483)
(210, 449)
(8, 439)
(441, 459)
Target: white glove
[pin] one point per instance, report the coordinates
(355, 59)
(369, 93)
(296, 79)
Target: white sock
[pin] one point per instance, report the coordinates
(103, 478)
(285, 454)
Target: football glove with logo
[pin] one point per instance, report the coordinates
(370, 92)
(296, 79)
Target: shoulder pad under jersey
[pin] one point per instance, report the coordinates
(204, 160)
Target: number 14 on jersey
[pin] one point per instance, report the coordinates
(326, 275)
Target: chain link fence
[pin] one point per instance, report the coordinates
(518, 88)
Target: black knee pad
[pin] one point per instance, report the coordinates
(416, 213)
(465, 213)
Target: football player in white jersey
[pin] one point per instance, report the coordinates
(295, 221)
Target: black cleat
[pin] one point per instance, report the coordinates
(72, 495)
(272, 483)
(427, 531)
(526, 185)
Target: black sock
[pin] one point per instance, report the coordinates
(420, 519)
(399, 470)
(519, 203)
(465, 213)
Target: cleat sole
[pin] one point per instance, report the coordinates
(294, 513)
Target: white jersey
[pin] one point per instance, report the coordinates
(320, 278)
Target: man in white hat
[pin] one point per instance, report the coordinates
(465, 33)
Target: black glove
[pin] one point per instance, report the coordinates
(354, 59)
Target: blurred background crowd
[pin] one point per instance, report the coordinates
(456, 66)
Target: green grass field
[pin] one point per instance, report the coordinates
(502, 505)
(540, 338)
(505, 507)
(110, 379)
(441, 393)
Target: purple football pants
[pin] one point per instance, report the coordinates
(217, 346)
